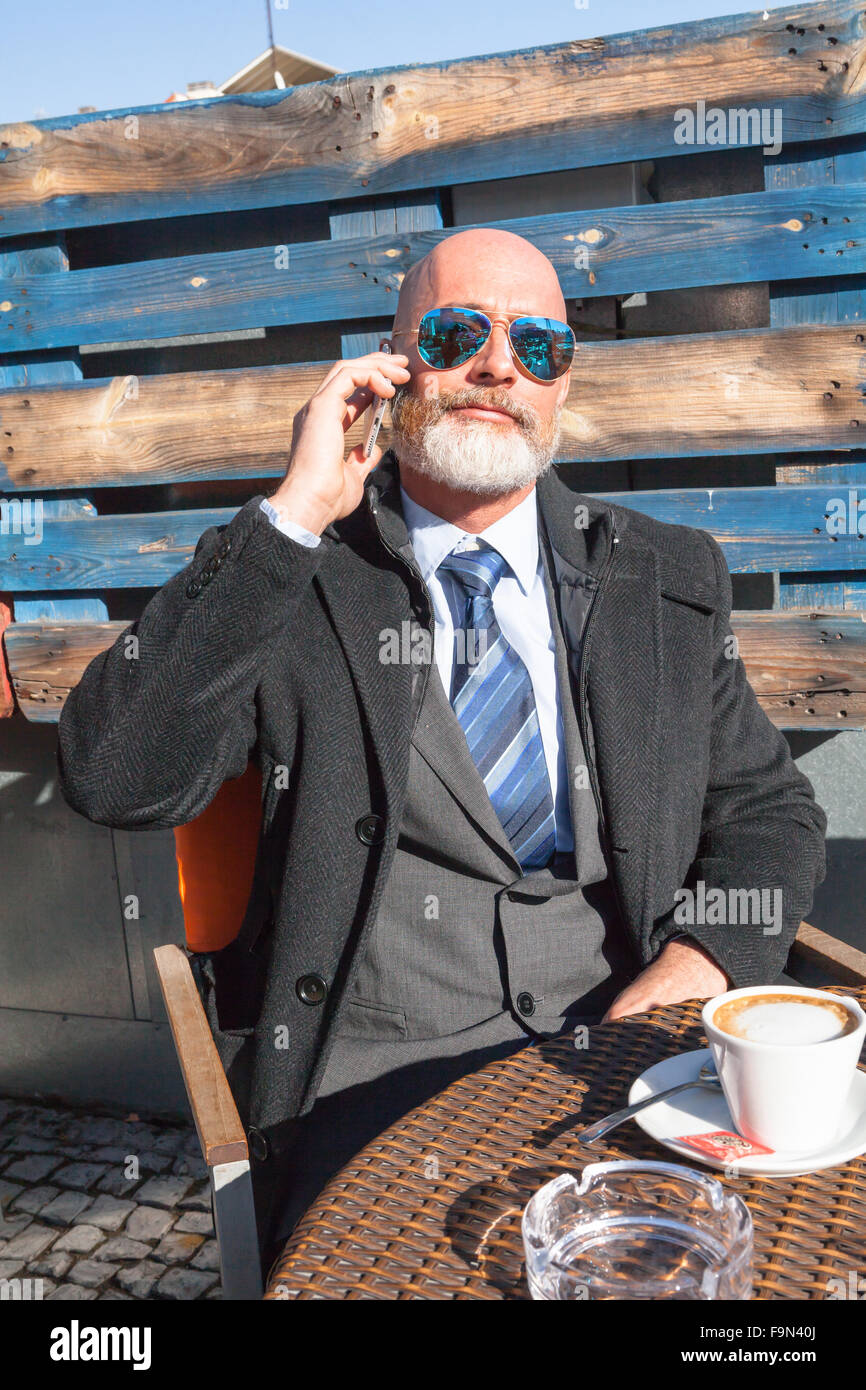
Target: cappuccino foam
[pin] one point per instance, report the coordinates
(784, 1019)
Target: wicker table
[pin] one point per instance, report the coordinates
(431, 1209)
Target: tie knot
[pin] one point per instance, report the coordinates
(479, 571)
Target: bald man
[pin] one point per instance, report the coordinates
(508, 751)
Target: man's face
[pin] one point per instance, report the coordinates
(486, 426)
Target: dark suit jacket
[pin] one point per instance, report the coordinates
(264, 648)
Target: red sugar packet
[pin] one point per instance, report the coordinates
(722, 1144)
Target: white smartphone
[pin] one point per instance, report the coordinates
(378, 412)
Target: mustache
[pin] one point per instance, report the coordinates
(429, 410)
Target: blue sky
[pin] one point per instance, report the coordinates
(62, 54)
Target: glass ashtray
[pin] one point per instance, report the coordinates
(632, 1230)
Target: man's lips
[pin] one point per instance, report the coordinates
(482, 412)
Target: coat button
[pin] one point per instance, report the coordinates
(370, 830)
(525, 1004)
(193, 588)
(311, 989)
(258, 1142)
(225, 547)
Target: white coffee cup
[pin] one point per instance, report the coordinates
(789, 1096)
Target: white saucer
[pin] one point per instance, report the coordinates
(700, 1111)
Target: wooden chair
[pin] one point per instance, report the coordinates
(216, 856)
(215, 861)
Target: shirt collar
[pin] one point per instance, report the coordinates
(514, 535)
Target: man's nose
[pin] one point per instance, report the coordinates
(495, 361)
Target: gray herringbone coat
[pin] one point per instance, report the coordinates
(264, 648)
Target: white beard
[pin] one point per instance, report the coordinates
(473, 455)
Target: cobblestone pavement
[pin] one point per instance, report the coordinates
(98, 1207)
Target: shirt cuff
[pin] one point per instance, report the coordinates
(290, 528)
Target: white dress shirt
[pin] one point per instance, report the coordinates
(520, 606)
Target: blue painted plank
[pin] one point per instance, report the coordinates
(22, 262)
(811, 473)
(20, 259)
(832, 300)
(839, 300)
(571, 105)
(52, 606)
(759, 528)
(48, 369)
(370, 217)
(708, 241)
(850, 167)
(834, 590)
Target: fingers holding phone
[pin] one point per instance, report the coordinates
(378, 415)
(321, 486)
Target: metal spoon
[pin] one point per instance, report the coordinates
(707, 1077)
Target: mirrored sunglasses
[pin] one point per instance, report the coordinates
(448, 337)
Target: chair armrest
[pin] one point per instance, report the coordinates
(846, 963)
(220, 1131)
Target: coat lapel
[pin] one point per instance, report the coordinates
(368, 602)
(609, 593)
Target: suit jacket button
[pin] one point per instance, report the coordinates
(258, 1142)
(225, 547)
(370, 830)
(193, 588)
(525, 1004)
(311, 989)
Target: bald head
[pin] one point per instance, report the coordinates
(483, 266)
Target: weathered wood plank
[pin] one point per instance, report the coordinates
(218, 1124)
(588, 102)
(171, 428)
(759, 529)
(846, 963)
(655, 246)
(46, 661)
(757, 391)
(808, 669)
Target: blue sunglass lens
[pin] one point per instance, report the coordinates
(544, 346)
(449, 337)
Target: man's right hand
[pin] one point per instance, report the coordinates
(321, 486)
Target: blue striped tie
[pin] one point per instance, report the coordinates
(491, 694)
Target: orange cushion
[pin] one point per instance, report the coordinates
(216, 856)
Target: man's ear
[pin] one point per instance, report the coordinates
(564, 384)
